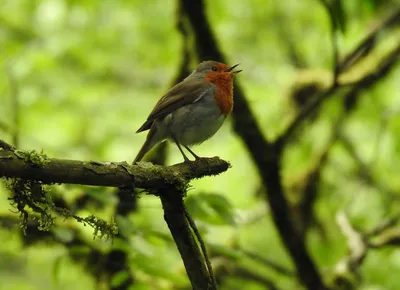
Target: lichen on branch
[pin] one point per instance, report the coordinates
(28, 172)
(33, 202)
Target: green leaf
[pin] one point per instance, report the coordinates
(100, 195)
(56, 270)
(125, 225)
(119, 278)
(339, 15)
(228, 252)
(79, 250)
(65, 235)
(211, 208)
(336, 14)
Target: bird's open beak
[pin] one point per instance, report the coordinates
(231, 69)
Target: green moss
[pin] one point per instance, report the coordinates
(33, 202)
(32, 156)
(102, 229)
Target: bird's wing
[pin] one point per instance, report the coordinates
(182, 94)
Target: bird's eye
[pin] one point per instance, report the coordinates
(214, 68)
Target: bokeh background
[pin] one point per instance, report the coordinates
(79, 77)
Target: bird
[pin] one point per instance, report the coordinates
(191, 111)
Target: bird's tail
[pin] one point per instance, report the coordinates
(151, 140)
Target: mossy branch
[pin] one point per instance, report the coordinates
(36, 166)
(29, 170)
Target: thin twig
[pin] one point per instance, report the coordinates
(268, 262)
(384, 67)
(365, 171)
(368, 44)
(238, 271)
(196, 232)
(383, 226)
(356, 244)
(360, 243)
(175, 217)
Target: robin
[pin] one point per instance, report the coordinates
(193, 110)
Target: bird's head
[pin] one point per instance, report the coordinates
(213, 69)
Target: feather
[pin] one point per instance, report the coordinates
(185, 93)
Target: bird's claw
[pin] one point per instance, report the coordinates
(192, 164)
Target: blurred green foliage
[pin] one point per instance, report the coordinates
(86, 74)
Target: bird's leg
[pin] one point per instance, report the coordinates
(187, 160)
(180, 149)
(183, 153)
(197, 157)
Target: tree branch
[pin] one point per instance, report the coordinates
(357, 251)
(238, 271)
(382, 69)
(335, 24)
(387, 63)
(265, 155)
(366, 46)
(350, 102)
(170, 183)
(364, 171)
(347, 269)
(144, 175)
(174, 215)
(268, 262)
(195, 231)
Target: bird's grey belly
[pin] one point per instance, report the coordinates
(195, 123)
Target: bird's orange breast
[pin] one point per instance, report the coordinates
(223, 90)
